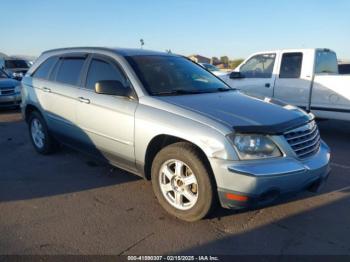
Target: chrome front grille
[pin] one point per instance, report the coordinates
(305, 140)
(7, 91)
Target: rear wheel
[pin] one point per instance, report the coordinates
(41, 139)
(182, 182)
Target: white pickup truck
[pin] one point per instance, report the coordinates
(307, 78)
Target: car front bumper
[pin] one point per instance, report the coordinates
(10, 100)
(244, 184)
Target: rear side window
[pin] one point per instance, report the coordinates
(44, 69)
(291, 65)
(69, 71)
(100, 70)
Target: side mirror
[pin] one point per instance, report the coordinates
(112, 87)
(236, 75)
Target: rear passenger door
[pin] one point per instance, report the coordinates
(40, 82)
(292, 85)
(107, 120)
(62, 90)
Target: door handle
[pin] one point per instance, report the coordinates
(84, 100)
(45, 89)
(267, 85)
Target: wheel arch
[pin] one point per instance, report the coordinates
(29, 109)
(159, 142)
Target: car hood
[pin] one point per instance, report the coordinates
(7, 82)
(243, 113)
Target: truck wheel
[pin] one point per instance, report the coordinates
(182, 183)
(41, 139)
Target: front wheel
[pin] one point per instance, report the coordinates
(182, 182)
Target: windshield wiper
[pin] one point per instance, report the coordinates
(179, 92)
(225, 89)
(190, 92)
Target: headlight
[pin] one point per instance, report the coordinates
(254, 146)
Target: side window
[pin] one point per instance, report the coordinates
(291, 65)
(44, 69)
(259, 66)
(100, 70)
(70, 69)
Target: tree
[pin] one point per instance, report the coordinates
(234, 63)
(215, 60)
(224, 60)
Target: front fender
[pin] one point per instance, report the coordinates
(151, 122)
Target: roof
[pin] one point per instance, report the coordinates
(3, 55)
(14, 58)
(119, 51)
(293, 50)
(199, 56)
(23, 57)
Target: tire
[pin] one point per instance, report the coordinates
(183, 196)
(48, 144)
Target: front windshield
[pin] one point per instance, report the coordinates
(12, 64)
(162, 75)
(211, 68)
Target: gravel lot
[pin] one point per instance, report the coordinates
(69, 204)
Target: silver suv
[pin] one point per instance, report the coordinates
(167, 119)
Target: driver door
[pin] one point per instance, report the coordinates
(257, 76)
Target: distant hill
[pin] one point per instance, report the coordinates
(2, 55)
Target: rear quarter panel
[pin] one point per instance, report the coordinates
(331, 93)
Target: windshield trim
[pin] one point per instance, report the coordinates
(2, 72)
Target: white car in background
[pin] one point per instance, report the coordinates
(307, 78)
(213, 69)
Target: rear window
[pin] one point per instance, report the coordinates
(291, 65)
(45, 68)
(69, 71)
(344, 69)
(12, 64)
(326, 62)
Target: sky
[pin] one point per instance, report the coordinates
(210, 28)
